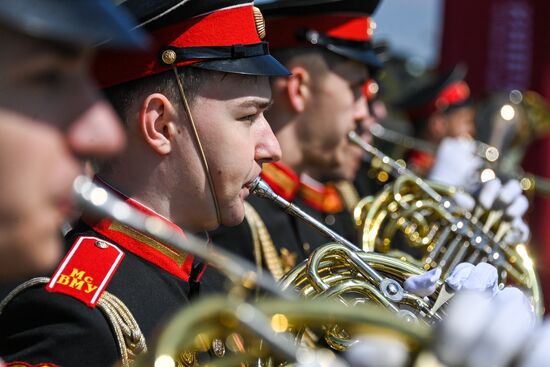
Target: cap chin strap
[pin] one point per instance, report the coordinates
(199, 145)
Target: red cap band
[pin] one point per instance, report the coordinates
(281, 31)
(226, 27)
(454, 94)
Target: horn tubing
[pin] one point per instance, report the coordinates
(483, 150)
(398, 170)
(261, 189)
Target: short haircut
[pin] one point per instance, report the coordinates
(316, 60)
(125, 95)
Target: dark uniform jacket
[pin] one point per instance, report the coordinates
(63, 321)
(292, 239)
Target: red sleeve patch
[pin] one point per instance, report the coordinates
(25, 364)
(86, 270)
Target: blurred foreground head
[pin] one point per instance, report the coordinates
(51, 116)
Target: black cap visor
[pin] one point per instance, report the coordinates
(427, 90)
(77, 22)
(366, 56)
(360, 51)
(263, 65)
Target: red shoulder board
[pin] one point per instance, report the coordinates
(86, 270)
(25, 364)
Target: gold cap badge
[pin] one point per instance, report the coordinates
(260, 23)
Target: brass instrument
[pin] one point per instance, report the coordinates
(237, 324)
(278, 331)
(485, 151)
(341, 270)
(423, 218)
(511, 121)
(262, 333)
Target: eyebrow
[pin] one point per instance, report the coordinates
(257, 102)
(58, 50)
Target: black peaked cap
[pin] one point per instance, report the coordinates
(87, 22)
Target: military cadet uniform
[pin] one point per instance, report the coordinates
(269, 237)
(441, 93)
(115, 284)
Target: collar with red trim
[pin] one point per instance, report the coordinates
(171, 260)
(287, 184)
(322, 197)
(421, 162)
(282, 179)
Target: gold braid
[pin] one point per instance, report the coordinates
(129, 338)
(263, 244)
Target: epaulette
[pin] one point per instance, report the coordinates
(86, 270)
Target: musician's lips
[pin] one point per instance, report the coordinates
(246, 187)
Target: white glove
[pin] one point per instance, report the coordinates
(481, 331)
(482, 277)
(465, 201)
(510, 199)
(495, 195)
(378, 350)
(457, 164)
(536, 352)
(423, 285)
(519, 233)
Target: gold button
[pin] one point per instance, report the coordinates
(187, 358)
(218, 348)
(101, 244)
(169, 57)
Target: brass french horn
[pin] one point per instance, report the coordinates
(421, 218)
(341, 269)
(231, 331)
